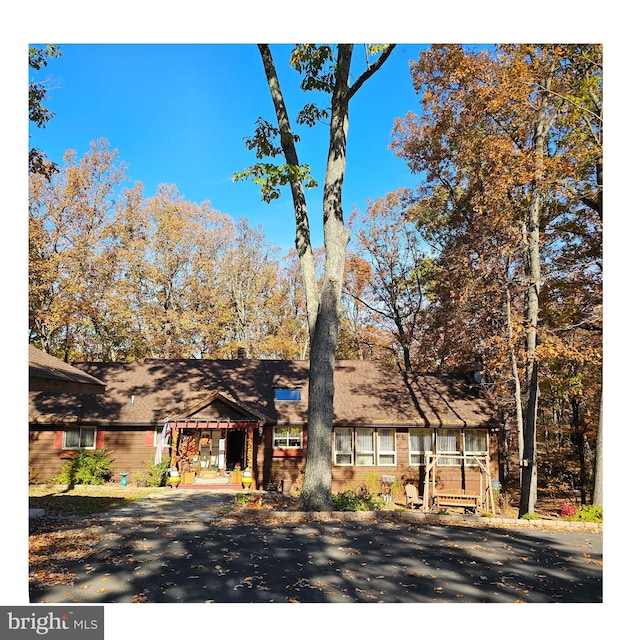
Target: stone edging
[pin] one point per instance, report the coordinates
(418, 516)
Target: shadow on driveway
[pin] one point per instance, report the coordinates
(212, 558)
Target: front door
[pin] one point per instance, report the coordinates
(235, 448)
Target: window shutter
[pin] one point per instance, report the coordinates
(150, 437)
(57, 440)
(99, 438)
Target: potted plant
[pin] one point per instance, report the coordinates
(236, 474)
(188, 476)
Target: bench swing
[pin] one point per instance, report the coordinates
(468, 500)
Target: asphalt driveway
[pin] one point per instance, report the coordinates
(182, 548)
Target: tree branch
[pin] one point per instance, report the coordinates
(370, 71)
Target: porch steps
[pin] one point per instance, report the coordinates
(211, 479)
(211, 486)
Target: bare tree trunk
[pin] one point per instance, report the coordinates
(517, 397)
(598, 482)
(529, 484)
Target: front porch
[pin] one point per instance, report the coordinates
(212, 444)
(205, 485)
(212, 480)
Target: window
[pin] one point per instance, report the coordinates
(365, 449)
(343, 446)
(475, 444)
(287, 437)
(420, 444)
(79, 438)
(447, 442)
(288, 395)
(368, 446)
(386, 447)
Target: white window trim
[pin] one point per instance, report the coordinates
(343, 452)
(288, 438)
(469, 457)
(442, 458)
(370, 453)
(156, 436)
(65, 445)
(423, 453)
(373, 455)
(393, 452)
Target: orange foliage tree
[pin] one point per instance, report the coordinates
(509, 141)
(117, 277)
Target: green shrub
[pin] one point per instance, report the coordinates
(242, 499)
(157, 473)
(370, 484)
(586, 513)
(350, 500)
(86, 467)
(531, 516)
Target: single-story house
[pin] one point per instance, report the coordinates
(209, 417)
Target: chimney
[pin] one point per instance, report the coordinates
(478, 373)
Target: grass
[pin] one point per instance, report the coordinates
(84, 499)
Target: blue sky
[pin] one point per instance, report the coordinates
(178, 113)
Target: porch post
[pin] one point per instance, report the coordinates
(249, 451)
(174, 443)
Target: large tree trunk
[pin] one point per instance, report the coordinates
(316, 488)
(322, 308)
(598, 484)
(517, 397)
(529, 484)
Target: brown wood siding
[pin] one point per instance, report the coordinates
(218, 410)
(353, 476)
(44, 457)
(452, 478)
(268, 467)
(273, 469)
(130, 449)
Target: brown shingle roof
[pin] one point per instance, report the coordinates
(47, 373)
(365, 394)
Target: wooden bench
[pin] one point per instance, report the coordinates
(453, 499)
